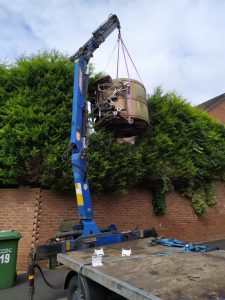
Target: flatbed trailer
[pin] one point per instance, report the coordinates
(153, 272)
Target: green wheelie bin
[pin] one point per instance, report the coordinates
(8, 254)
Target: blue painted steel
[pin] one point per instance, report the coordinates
(109, 239)
(79, 102)
(78, 127)
(77, 141)
(90, 227)
(68, 245)
(99, 36)
(99, 239)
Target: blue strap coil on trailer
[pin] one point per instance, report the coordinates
(185, 247)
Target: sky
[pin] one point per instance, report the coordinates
(176, 44)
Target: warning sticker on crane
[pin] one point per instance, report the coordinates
(80, 201)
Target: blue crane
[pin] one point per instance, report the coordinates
(79, 123)
(86, 234)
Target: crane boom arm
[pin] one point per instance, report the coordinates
(79, 123)
(99, 36)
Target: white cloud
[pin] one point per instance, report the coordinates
(16, 36)
(177, 44)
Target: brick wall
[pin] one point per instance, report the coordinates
(18, 209)
(218, 112)
(135, 210)
(55, 207)
(37, 214)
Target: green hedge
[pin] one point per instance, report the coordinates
(183, 149)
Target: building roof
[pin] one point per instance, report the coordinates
(210, 104)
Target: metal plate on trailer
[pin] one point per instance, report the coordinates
(147, 274)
